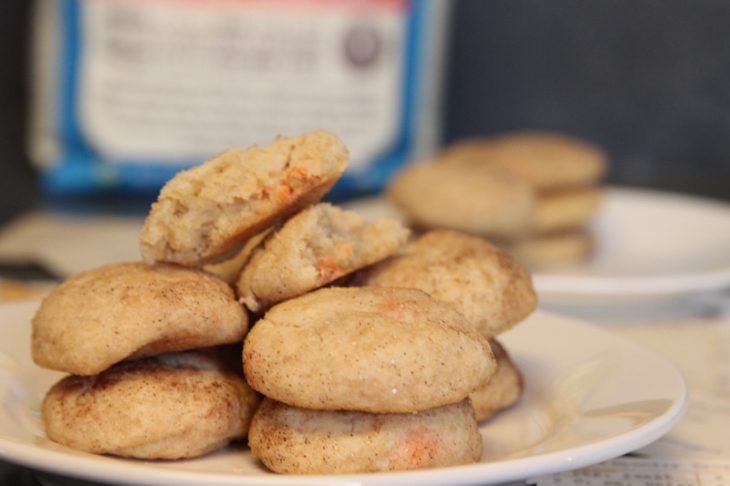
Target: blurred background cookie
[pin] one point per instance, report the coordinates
(298, 441)
(556, 249)
(129, 310)
(207, 213)
(566, 209)
(543, 160)
(172, 406)
(542, 182)
(315, 247)
(468, 197)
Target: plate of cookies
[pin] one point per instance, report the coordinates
(539, 196)
(265, 337)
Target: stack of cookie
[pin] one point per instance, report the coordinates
(365, 379)
(534, 193)
(145, 381)
(486, 285)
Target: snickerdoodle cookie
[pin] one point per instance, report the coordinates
(468, 197)
(206, 213)
(102, 316)
(545, 161)
(368, 349)
(555, 249)
(566, 209)
(297, 441)
(171, 406)
(502, 390)
(481, 281)
(315, 247)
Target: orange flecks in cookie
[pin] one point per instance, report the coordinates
(294, 177)
(344, 249)
(392, 308)
(297, 173)
(420, 448)
(285, 192)
(328, 267)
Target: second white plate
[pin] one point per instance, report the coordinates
(649, 244)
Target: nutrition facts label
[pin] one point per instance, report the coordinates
(643, 472)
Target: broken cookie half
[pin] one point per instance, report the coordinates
(206, 214)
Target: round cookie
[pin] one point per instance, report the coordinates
(298, 441)
(502, 390)
(481, 281)
(545, 161)
(556, 249)
(102, 316)
(206, 213)
(171, 406)
(566, 209)
(363, 349)
(468, 197)
(315, 247)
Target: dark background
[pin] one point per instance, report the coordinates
(647, 79)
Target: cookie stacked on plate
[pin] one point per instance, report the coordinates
(532, 192)
(146, 378)
(365, 379)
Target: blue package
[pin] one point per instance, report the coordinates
(129, 93)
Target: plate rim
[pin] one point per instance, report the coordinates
(619, 286)
(89, 467)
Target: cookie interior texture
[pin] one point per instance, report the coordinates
(102, 316)
(363, 349)
(315, 247)
(299, 441)
(168, 407)
(205, 214)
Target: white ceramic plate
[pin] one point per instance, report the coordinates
(590, 396)
(649, 244)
